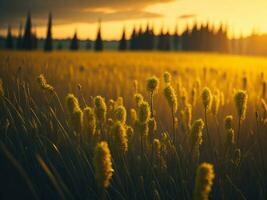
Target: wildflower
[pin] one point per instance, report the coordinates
(129, 131)
(120, 114)
(138, 98)
(120, 136)
(170, 95)
(143, 112)
(167, 77)
(196, 132)
(102, 164)
(89, 121)
(152, 84)
(77, 120)
(44, 85)
(71, 103)
(206, 98)
(203, 181)
(228, 122)
(241, 103)
(187, 116)
(100, 109)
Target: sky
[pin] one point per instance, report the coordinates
(241, 16)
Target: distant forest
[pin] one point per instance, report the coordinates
(201, 37)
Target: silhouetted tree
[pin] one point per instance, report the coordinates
(176, 39)
(27, 38)
(9, 39)
(185, 39)
(167, 41)
(48, 46)
(160, 45)
(133, 40)
(98, 41)
(123, 42)
(19, 44)
(74, 45)
(140, 39)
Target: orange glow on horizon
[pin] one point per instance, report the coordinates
(241, 16)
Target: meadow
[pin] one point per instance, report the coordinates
(132, 125)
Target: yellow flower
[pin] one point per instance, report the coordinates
(204, 181)
(102, 164)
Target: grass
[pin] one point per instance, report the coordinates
(45, 154)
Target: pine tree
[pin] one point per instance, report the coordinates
(151, 39)
(160, 45)
(74, 45)
(9, 39)
(123, 42)
(27, 38)
(176, 39)
(49, 41)
(98, 41)
(133, 40)
(185, 39)
(19, 39)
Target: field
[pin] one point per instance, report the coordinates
(162, 115)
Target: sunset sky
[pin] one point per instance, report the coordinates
(82, 15)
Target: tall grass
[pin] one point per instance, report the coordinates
(123, 135)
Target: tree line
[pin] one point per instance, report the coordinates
(201, 37)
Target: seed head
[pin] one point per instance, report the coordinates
(77, 120)
(100, 109)
(241, 98)
(121, 140)
(152, 84)
(120, 114)
(143, 112)
(170, 95)
(228, 122)
(129, 131)
(138, 98)
(89, 121)
(44, 85)
(196, 132)
(204, 181)
(71, 103)
(141, 128)
(152, 125)
(102, 164)
(206, 98)
(167, 77)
